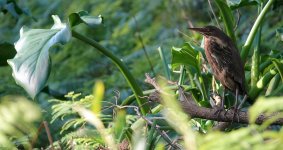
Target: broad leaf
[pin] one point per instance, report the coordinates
(31, 65)
(83, 17)
(184, 56)
(7, 51)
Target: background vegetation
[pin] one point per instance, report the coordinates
(133, 31)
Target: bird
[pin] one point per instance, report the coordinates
(225, 62)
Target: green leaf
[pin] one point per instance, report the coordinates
(228, 18)
(120, 124)
(83, 17)
(184, 56)
(266, 106)
(233, 4)
(279, 33)
(7, 51)
(17, 116)
(98, 92)
(31, 65)
(279, 66)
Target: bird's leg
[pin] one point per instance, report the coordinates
(235, 107)
(236, 101)
(216, 102)
(219, 107)
(223, 98)
(243, 101)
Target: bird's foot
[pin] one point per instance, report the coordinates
(235, 113)
(218, 111)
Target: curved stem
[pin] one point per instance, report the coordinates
(249, 41)
(122, 67)
(255, 57)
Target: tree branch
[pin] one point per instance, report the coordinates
(195, 111)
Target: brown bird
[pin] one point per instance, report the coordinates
(225, 62)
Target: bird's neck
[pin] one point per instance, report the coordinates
(220, 41)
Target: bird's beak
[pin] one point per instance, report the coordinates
(200, 30)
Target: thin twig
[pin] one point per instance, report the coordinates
(45, 125)
(213, 14)
(192, 39)
(37, 134)
(48, 134)
(143, 46)
(157, 128)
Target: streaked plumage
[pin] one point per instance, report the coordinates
(224, 59)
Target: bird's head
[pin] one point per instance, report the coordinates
(208, 31)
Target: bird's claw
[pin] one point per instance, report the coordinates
(218, 111)
(235, 113)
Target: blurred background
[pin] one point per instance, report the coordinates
(132, 30)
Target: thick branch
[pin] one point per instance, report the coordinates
(194, 111)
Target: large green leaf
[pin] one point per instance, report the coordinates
(31, 65)
(83, 17)
(7, 51)
(184, 56)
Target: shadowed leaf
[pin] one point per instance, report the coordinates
(7, 51)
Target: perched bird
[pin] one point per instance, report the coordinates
(225, 61)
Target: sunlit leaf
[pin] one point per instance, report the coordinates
(17, 116)
(84, 17)
(98, 93)
(266, 106)
(176, 117)
(95, 121)
(184, 56)
(31, 65)
(7, 51)
(120, 124)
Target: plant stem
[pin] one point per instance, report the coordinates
(122, 67)
(249, 41)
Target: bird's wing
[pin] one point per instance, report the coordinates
(230, 60)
